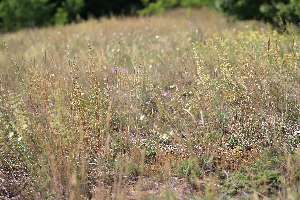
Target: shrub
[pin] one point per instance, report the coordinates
(16, 14)
(68, 11)
(267, 10)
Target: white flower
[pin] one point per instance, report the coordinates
(164, 136)
(157, 37)
(142, 117)
(11, 134)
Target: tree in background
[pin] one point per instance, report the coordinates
(68, 10)
(97, 8)
(15, 14)
(273, 11)
(290, 11)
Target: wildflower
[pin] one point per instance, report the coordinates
(164, 136)
(157, 37)
(165, 94)
(147, 102)
(11, 134)
(172, 87)
(142, 117)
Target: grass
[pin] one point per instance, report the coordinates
(181, 106)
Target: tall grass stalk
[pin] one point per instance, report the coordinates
(175, 106)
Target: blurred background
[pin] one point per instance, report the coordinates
(16, 14)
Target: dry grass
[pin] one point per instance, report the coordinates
(181, 106)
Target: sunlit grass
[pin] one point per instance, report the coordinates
(183, 105)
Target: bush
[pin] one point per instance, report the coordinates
(68, 11)
(273, 11)
(291, 11)
(15, 14)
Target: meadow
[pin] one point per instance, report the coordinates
(185, 105)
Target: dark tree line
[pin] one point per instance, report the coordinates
(273, 11)
(16, 14)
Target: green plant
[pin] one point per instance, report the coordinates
(194, 3)
(271, 11)
(15, 15)
(186, 167)
(69, 10)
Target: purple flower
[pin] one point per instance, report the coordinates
(165, 94)
(147, 102)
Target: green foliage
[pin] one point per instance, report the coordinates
(269, 10)
(186, 167)
(194, 3)
(291, 11)
(157, 7)
(16, 14)
(264, 178)
(68, 11)
(61, 16)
